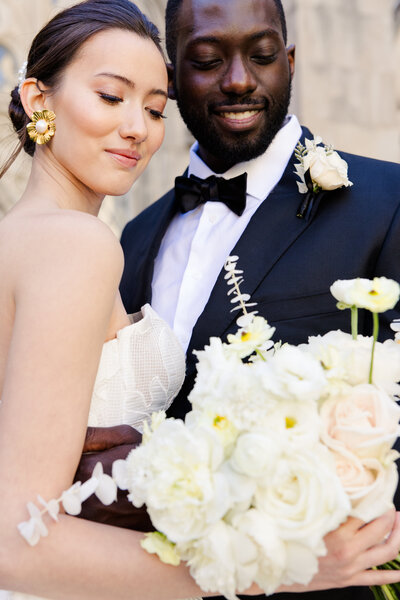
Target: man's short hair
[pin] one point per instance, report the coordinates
(171, 24)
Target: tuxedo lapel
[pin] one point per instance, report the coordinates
(141, 249)
(273, 229)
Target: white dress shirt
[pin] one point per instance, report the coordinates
(197, 243)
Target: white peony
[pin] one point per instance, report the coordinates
(175, 475)
(377, 295)
(271, 550)
(223, 560)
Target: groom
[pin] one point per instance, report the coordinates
(231, 76)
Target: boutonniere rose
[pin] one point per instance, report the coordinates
(319, 168)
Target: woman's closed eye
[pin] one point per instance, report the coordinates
(155, 114)
(109, 98)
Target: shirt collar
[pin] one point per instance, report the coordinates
(263, 172)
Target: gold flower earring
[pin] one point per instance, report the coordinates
(42, 127)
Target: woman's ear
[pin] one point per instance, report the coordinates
(171, 87)
(32, 98)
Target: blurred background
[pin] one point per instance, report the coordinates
(346, 88)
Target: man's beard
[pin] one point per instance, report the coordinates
(241, 147)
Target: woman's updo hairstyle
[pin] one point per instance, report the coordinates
(57, 43)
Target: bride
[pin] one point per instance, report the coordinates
(90, 111)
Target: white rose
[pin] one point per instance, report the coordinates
(305, 497)
(296, 375)
(255, 454)
(369, 483)
(364, 421)
(222, 561)
(327, 169)
(377, 295)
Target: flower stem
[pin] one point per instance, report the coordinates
(354, 322)
(375, 337)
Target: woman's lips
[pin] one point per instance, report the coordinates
(126, 158)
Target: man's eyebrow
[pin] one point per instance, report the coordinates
(131, 84)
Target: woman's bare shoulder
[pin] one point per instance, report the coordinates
(57, 238)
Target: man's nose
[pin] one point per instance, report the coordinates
(238, 78)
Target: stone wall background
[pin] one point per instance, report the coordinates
(346, 89)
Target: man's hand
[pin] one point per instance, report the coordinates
(352, 550)
(107, 444)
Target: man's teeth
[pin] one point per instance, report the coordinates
(239, 116)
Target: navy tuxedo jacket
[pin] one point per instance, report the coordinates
(289, 265)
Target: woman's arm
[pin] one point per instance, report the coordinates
(65, 282)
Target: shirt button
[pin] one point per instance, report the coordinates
(212, 219)
(196, 275)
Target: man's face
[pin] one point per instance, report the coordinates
(232, 77)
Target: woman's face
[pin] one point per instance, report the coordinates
(108, 108)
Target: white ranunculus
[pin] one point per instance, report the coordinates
(271, 550)
(294, 424)
(365, 421)
(255, 453)
(377, 295)
(369, 483)
(223, 561)
(327, 169)
(175, 475)
(347, 361)
(305, 497)
(214, 420)
(256, 335)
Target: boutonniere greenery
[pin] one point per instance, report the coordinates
(319, 168)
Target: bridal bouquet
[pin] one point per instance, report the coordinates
(282, 444)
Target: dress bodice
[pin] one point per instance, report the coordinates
(140, 371)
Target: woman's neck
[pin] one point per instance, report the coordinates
(54, 185)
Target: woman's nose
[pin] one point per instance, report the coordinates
(134, 125)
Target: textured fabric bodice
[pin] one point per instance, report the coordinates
(140, 371)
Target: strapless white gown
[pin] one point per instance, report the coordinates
(140, 371)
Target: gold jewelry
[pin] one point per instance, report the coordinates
(42, 127)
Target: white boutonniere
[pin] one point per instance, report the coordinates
(319, 168)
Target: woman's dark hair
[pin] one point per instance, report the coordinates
(57, 43)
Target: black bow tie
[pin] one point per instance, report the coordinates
(192, 191)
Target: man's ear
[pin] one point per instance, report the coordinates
(291, 52)
(32, 98)
(171, 87)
